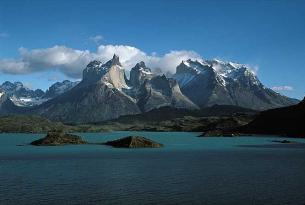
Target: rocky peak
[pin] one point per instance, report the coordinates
(94, 71)
(18, 84)
(95, 64)
(139, 74)
(141, 65)
(8, 86)
(114, 61)
(19, 90)
(59, 88)
(163, 84)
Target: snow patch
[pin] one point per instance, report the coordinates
(26, 102)
(145, 71)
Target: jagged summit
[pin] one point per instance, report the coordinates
(95, 70)
(140, 65)
(139, 74)
(59, 88)
(114, 61)
(218, 82)
(110, 73)
(192, 67)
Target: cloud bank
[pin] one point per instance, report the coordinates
(71, 62)
(283, 88)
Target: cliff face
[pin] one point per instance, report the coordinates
(161, 91)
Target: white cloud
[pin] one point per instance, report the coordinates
(169, 61)
(282, 88)
(129, 55)
(13, 66)
(71, 62)
(96, 39)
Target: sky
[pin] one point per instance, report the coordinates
(42, 42)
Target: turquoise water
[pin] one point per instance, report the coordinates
(188, 170)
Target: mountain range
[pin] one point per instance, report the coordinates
(106, 93)
(23, 96)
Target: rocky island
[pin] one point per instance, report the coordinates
(58, 138)
(222, 133)
(134, 142)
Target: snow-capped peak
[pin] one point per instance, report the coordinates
(142, 68)
(188, 70)
(192, 67)
(95, 70)
(224, 71)
(185, 63)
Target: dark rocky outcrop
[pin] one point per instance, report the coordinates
(58, 138)
(134, 142)
(286, 121)
(283, 141)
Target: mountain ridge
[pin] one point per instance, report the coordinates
(226, 83)
(105, 93)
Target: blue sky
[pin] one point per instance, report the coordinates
(268, 35)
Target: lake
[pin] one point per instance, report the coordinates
(188, 170)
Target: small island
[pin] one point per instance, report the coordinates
(285, 141)
(58, 138)
(220, 133)
(134, 142)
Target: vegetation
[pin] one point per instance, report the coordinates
(29, 124)
(36, 124)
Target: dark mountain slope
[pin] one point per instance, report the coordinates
(289, 121)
